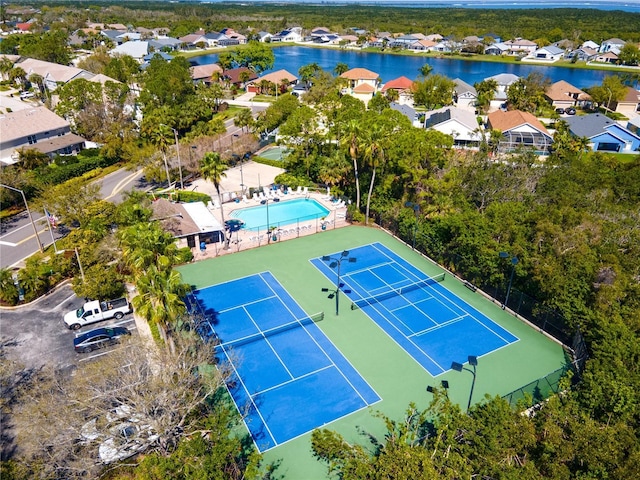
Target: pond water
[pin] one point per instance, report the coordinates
(393, 66)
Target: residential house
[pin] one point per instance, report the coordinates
(264, 36)
(36, 128)
(612, 45)
(233, 36)
(363, 83)
(236, 77)
(519, 129)
(423, 46)
(52, 73)
(403, 86)
(547, 54)
(629, 106)
(563, 95)
(465, 95)
(165, 43)
(518, 46)
(282, 79)
(633, 125)
(504, 81)
(128, 37)
(460, 124)
(491, 38)
(114, 36)
(604, 134)
(358, 31)
(137, 50)
(590, 44)
(290, 35)
(205, 73)
(565, 44)
(608, 57)
(407, 111)
(403, 41)
(193, 39)
(585, 54)
(434, 37)
(348, 39)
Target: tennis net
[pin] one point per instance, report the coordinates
(396, 292)
(264, 334)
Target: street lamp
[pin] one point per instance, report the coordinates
(514, 262)
(416, 209)
(337, 262)
(24, 199)
(458, 367)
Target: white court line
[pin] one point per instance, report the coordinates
(8, 244)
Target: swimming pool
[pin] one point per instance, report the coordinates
(277, 214)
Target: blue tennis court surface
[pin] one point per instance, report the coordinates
(288, 378)
(428, 321)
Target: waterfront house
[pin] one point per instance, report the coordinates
(235, 76)
(547, 54)
(604, 134)
(290, 35)
(585, 54)
(281, 79)
(264, 36)
(362, 83)
(403, 86)
(612, 45)
(465, 95)
(519, 129)
(608, 57)
(205, 73)
(460, 124)
(629, 105)
(563, 95)
(503, 81)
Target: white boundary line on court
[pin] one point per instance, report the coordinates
(331, 365)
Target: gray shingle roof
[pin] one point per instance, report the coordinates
(588, 125)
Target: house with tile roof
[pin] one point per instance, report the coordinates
(404, 87)
(205, 73)
(585, 54)
(612, 45)
(136, 49)
(519, 129)
(282, 79)
(504, 81)
(36, 128)
(234, 76)
(461, 125)
(604, 134)
(362, 83)
(562, 94)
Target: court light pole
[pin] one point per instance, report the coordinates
(514, 261)
(24, 199)
(416, 209)
(337, 262)
(445, 386)
(458, 367)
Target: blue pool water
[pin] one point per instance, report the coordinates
(280, 213)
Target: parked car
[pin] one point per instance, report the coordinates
(570, 111)
(98, 338)
(559, 111)
(26, 95)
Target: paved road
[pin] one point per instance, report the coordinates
(17, 238)
(35, 335)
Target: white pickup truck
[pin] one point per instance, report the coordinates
(96, 311)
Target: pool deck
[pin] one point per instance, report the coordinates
(255, 175)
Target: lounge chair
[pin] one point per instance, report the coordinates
(245, 199)
(262, 196)
(305, 192)
(298, 190)
(255, 196)
(328, 195)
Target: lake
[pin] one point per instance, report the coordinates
(393, 66)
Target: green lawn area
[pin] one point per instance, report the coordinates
(394, 374)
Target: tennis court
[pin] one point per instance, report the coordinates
(288, 377)
(428, 321)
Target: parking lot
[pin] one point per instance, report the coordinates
(35, 334)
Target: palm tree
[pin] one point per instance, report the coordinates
(243, 119)
(160, 293)
(6, 66)
(425, 70)
(351, 140)
(374, 155)
(340, 68)
(160, 136)
(212, 167)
